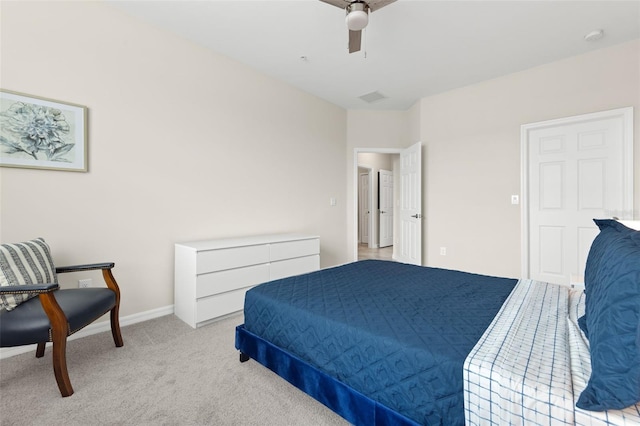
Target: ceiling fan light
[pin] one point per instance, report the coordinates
(357, 16)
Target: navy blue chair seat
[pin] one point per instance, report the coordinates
(28, 323)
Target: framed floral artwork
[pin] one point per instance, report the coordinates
(42, 133)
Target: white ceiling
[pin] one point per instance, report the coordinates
(413, 48)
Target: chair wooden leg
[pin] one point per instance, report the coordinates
(115, 322)
(60, 366)
(115, 327)
(59, 333)
(40, 349)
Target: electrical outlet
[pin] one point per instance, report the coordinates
(443, 251)
(86, 283)
(515, 199)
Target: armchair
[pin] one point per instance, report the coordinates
(34, 310)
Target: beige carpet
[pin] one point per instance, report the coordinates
(166, 374)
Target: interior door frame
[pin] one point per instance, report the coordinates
(626, 114)
(357, 151)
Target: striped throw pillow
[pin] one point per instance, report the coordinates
(23, 263)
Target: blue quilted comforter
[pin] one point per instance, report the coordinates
(397, 333)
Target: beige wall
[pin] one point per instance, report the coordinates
(472, 143)
(183, 145)
(471, 149)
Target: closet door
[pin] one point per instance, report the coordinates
(385, 186)
(577, 171)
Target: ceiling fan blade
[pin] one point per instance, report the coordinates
(377, 4)
(355, 38)
(338, 3)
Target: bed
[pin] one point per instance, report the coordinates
(382, 342)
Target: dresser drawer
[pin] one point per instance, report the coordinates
(219, 305)
(212, 276)
(229, 258)
(297, 266)
(291, 249)
(232, 279)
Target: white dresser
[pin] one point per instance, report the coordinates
(211, 277)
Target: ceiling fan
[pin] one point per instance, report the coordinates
(357, 17)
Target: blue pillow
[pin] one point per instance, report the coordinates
(613, 321)
(610, 230)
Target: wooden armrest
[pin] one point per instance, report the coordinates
(88, 267)
(29, 288)
(106, 273)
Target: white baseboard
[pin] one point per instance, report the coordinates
(96, 328)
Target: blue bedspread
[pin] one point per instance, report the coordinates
(397, 333)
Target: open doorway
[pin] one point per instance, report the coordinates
(377, 196)
(407, 202)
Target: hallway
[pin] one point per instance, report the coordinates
(364, 252)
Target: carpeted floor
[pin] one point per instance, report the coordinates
(166, 374)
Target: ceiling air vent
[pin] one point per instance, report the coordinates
(373, 97)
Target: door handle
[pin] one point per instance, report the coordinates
(417, 216)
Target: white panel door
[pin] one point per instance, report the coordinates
(576, 174)
(410, 240)
(385, 187)
(363, 208)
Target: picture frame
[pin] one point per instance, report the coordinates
(41, 133)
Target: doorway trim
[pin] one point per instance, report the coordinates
(357, 151)
(626, 114)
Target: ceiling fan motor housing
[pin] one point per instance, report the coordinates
(357, 16)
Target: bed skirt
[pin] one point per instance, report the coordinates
(352, 405)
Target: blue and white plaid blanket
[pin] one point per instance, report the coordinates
(532, 363)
